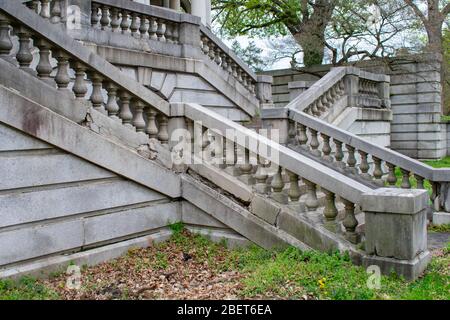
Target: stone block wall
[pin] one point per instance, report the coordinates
(416, 128)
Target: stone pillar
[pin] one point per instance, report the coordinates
(264, 91)
(296, 88)
(208, 13)
(352, 87)
(396, 231)
(199, 8)
(175, 5)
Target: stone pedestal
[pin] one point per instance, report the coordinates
(396, 234)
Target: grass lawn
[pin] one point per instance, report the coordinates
(190, 266)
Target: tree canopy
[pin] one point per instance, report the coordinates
(337, 31)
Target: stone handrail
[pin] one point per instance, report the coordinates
(139, 20)
(160, 24)
(264, 152)
(363, 89)
(327, 142)
(69, 53)
(223, 56)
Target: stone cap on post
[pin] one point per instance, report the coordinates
(264, 90)
(396, 231)
(391, 200)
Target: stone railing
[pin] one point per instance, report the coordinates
(361, 159)
(361, 89)
(136, 20)
(285, 176)
(70, 67)
(53, 10)
(223, 56)
(265, 171)
(137, 108)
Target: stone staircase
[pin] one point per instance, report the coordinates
(141, 136)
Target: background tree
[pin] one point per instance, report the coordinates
(305, 20)
(252, 55)
(432, 14)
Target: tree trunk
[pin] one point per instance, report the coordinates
(313, 45)
(310, 34)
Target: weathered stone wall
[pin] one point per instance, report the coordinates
(54, 202)
(416, 128)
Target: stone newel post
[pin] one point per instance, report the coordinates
(264, 91)
(396, 231)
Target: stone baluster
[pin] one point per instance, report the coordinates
(6, 44)
(24, 56)
(95, 18)
(378, 172)
(161, 30)
(277, 185)
(326, 148)
(163, 135)
(55, 11)
(235, 69)
(350, 223)
(217, 58)
(302, 137)
(115, 21)
(152, 128)
(239, 72)
(125, 112)
(45, 9)
(392, 178)
(339, 154)
(246, 169)
(224, 61)
(364, 166)
(124, 22)
(111, 105)
(134, 27)
(312, 203)
(261, 177)
(230, 65)
(62, 77)
(211, 52)
(153, 28)
(104, 21)
(205, 46)
(351, 160)
(314, 144)
(231, 154)
(175, 33)
(79, 87)
(96, 95)
(420, 181)
(315, 107)
(138, 116)
(169, 28)
(330, 211)
(435, 187)
(143, 28)
(294, 189)
(406, 184)
(44, 67)
(292, 132)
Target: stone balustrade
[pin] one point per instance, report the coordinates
(126, 18)
(53, 10)
(361, 89)
(68, 68)
(358, 158)
(280, 174)
(220, 54)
